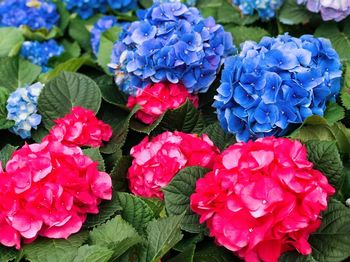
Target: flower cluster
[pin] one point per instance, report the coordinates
(47, 190)
(330, 9)
(170, 42)
(40, 53)
(102, 25)
(22, 108)
(262, 198)
(188, 2)
(36, 14)
(87, 8)
(158, 98)
(157, 161)
(276, 83)
(80, 128)
(266, 9)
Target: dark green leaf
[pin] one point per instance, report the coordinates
(326, 158)
(66, 91)
(54, 250)
(110, 92)
(7, 254)
(119, 173)
(177, 197)
(11, 41)
(16, 72)
(4, 122)
(332, 240)
(95, 155)
(212, 253)
(186, 256)
(334, 113)
(163, 234)
(71, 65)
(135, 211)
(242, 33)
(291, 13)
(6, 153)
(218, 136)
(116, 234)
(108, 208)
(93, 254)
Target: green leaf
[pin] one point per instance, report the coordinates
(135, 211)
(345, 91)
(95, 155)
(40, 34)
(54, 250)
(242, 33)
(119, 121)
(78, 31)
(7, 254)
(64, 15)
(186, 256)
(186, 118)
(212, 253)
(107, 41)
(107, 209)
(6, 153)
(119, 171)
(317, 128)
(71, 65)
(4, 122)
(334, 113)
(110, 92)
(177, 197)
(39, 133)
(93, 254)
(163, 234)
(116, 234)
(326, 158)
(140, 127)
(340, 41)
(295, 257)
(155, 204)
(332, 240)
(11, 41)
(66, 91)
(16, 72)
(291, 13)
(219, 137)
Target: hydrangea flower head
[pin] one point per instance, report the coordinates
(158, 98)
(157, 161)
(266, 9)
(40, 53)
(173, 43)
(188, 2)
(22, 108)
(275, 84)
(36, 14)
(102, 25)
(50, 188)
(262, 199)
(330, 9)
(80, 128)
(87, 8)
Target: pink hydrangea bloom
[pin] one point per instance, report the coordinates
(262, 198)
(157, 98)
(81, 128)
(157, 161)
(48, 189)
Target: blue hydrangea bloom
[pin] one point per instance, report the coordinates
(35, 14)
(266, 9)
(170, 42)
(22, 108)
(102, 25)
(188, 2)
(272, 86)
(39, 53)
(87, 8)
